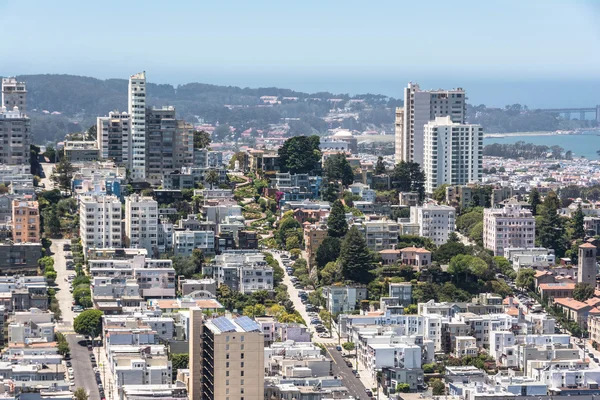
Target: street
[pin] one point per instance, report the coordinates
(340, 369)
(64, 297)
(47, 168)
(80, 355)
(82, 366)
(301, 308)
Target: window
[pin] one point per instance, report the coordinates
(227, 356)
(242, 356)
(242, 364)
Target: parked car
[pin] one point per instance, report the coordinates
(338, 348)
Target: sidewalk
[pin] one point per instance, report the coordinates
(110, 388)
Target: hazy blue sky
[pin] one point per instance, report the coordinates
(350, 46)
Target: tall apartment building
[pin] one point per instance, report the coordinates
(15, 136)
(420, 107)
(14, 94)
(399, 135)
(452, 153)
(25, 221)
(141, 222)
(435, 222)
(114, 137)
(100, 222)
(511, 226)
(169, 143)
(227, 358)
(137, 111)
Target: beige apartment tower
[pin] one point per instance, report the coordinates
(398, 132)
(25, 221)
(226, 358)
(195, 352)
(420, 107)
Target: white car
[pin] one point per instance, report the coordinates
(70, 370)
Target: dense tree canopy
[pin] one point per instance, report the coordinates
(337, 168)
(328, 251)
(89, 323)
(300, 155)
(409, 177)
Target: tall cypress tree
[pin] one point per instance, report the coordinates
(336, 223)
(355, 258)
(551, 229)
(578, 229)
(534, 200)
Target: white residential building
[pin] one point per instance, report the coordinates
(435, 222)
(184, 242)
(343, 299)
(242, 271)
(511, 226)
(141, 222)
(100, 222)
(137, 111)
(380, 234)
(364, 191)
(530, 257)
(14, 94)
(452, 153)
(155, 278)
(113, 134)
(420, 107)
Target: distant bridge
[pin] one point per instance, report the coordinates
(566, 112)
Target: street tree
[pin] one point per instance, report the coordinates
(525, 279)
(88, 323)
(80, 394)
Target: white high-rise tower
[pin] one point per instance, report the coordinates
(137, 112)
(420, 107)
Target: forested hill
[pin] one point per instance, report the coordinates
(79, 100)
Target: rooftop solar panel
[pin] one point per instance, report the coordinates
(247, 324)
(223, 324)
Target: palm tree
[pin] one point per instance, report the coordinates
(212, 177)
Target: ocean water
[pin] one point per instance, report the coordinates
(585, 144)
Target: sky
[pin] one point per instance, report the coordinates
(310, 45)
